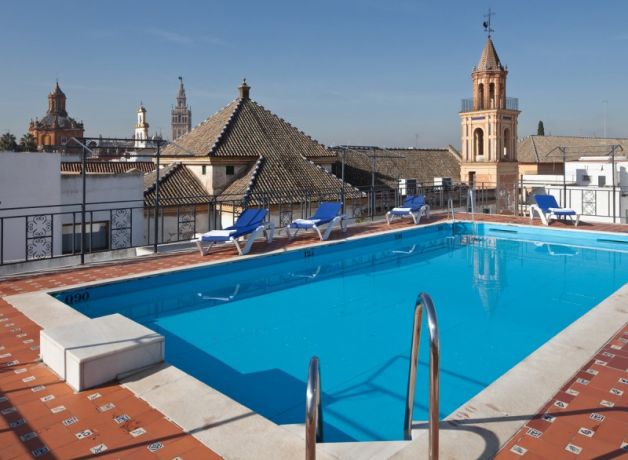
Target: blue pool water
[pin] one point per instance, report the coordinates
(249, 328)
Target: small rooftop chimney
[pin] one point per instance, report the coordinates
(244, 90)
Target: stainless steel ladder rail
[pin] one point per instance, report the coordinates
(424, 301)
(313, 412)
(471, 201)
(450, 209)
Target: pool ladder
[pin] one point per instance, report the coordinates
(424, 301)
(450, 210)
(314, 414)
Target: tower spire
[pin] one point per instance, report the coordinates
(181, 114)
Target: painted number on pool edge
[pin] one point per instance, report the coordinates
(76, 297)
(308, 252)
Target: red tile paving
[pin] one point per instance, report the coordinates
(587, 418)
(41, 416)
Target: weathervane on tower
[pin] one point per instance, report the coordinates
(487, 23)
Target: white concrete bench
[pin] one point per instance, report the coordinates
(94, 351)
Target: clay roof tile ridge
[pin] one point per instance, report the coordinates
(167, 170)
(258, 163)
(226, 126)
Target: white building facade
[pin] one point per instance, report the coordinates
(595, 187)
(40, 209)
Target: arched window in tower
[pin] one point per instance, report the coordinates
(506, 143)
(491, 95)
(480, 103)
(478, 143)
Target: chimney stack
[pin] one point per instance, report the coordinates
(244, 90)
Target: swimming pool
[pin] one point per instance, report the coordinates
(248, 328)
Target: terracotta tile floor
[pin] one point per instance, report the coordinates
(40, 416)
(587, 418)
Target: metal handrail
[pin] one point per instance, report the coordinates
(450, 209)
(471, 198)
(313, 412)
(424, 300)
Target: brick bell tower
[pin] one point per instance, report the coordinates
(489, 124)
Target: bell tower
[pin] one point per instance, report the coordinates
(181, 114)
(489, 123)
(141, 128)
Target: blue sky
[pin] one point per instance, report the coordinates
(386, 72)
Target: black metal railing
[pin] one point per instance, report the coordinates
(65, 230)
(69, 230)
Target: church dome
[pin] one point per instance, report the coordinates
(51, 120)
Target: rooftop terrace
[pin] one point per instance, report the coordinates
(43, 417)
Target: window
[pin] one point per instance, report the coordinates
(230, 170)
(491, 95)
(407, 186)
(480, 97)
(601, 181)
(96, 237)
(478, 143)
(204, 169)
(64, 140)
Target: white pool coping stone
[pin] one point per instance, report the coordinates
(475, 430)
(94, 351)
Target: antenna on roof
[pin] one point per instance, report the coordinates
(487, 23)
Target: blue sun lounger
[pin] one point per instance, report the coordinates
(547, 208)
(328, 213)
(413, 206)
(250, 224)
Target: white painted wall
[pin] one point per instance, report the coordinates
(595, 203)
(215, 179)
(29, 180)
(34, 181)
(122, 192)
(577, 170)
(192, 224)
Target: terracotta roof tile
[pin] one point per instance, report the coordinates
(489, 60)
(108, 167)
(544, 149)
(204, 137)
(282, 154)
(398, 163)
(177, 186)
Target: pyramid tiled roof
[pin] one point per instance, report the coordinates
(489, 60)
(282, 166)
